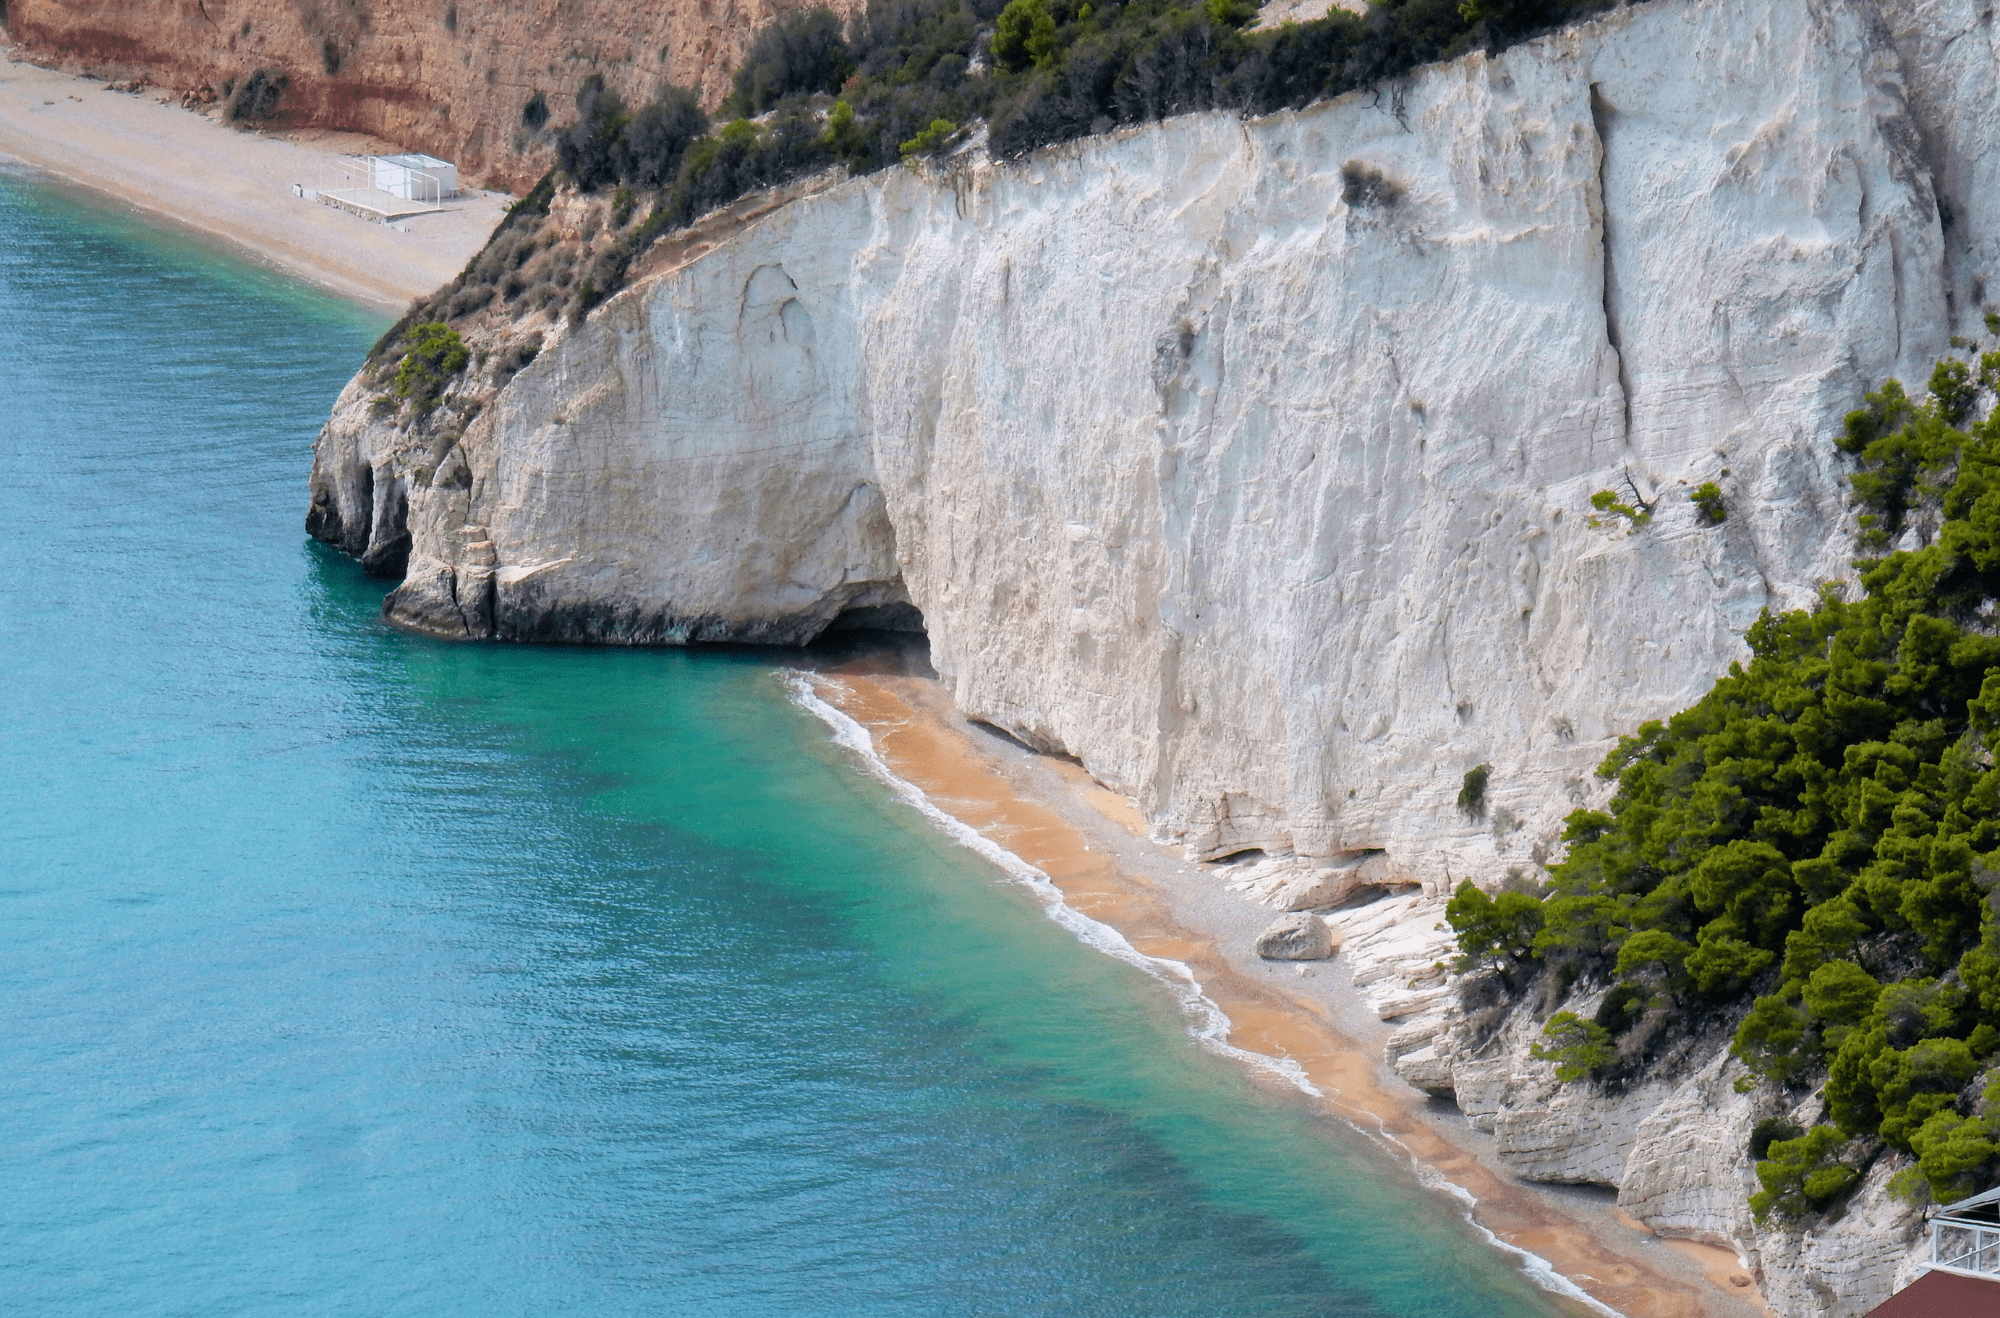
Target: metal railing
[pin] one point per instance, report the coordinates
(1960, 1245)
(370, 189)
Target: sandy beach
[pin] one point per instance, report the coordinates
(143, 150)
(1092, 846)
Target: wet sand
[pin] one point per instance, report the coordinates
(234, 187)
(1091, 844)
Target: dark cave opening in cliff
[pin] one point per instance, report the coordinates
(886, 639)
(898, 616)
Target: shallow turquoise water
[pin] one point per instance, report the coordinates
(350, 973)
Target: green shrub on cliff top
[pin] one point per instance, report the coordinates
(587, 151)
(1025, 36)
(929, 142)
(1818, 838)
(803, 52)
(654, 143)
(1050, 71)
(435, 354)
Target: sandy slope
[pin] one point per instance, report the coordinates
(234, 186)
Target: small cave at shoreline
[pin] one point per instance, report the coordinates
(884, 639)
(896, 616)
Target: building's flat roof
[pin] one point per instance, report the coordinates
(1943, 1295)
(1986, 1199)
(416, 160)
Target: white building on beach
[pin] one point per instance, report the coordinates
(385, 188)
(414, 176)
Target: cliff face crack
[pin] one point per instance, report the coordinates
(475, 600)
(1927, 140)
(366, 498)
(389, 542)
(1601, 116)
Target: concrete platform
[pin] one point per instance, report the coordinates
(373, 203)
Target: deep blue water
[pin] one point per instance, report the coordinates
(351, 973)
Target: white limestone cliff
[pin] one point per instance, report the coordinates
(1250, 463)
(1269, 506)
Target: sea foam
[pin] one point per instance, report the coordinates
(1207, 1022)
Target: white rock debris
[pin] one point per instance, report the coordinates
(1298, 936)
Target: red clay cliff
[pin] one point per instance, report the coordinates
(450, 77)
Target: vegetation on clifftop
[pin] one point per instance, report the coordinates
(1817, 841)
(435, 355)
(1046, 71)
(907, 79)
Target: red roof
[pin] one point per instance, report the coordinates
(1943, 1295)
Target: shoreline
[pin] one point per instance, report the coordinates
(233, 187)
(1303, 1029)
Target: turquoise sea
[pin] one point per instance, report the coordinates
(350, 973)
